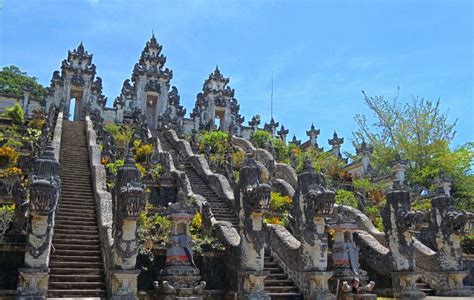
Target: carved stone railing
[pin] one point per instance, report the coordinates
(103, 198)
(362, 221)
(286, 249)
(217, 182)
(224, 230)
(279, 171)
(45, 189)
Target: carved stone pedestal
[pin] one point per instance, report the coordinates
(455, 286)
(319, 286)
(404, 285)
(254, 286)
(350, 296)
(124, 284)
(32, 284)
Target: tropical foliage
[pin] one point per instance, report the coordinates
(13, 82)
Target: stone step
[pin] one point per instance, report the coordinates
(67, 246)
(76, 214)
(279, 276)
(75, 232)
(282, 289)
(67, 236)
(276, 282)
(65, 209)
(74, 264)
(76, 285)
(76, 258)
(67, 252)
(76, 226)
(77, 271)
(75, 222)
(74, 219)
(77, 205)
(75, 278)
(79, 293)
(286, 296)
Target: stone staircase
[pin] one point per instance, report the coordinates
(425, 288)
(76, 262)
(278, 285)
(222, 210)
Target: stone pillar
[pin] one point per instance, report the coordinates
(254, 201)
(336, 143)
(398, 169)
(443, 234)
(365, 151)
(180, 278)
(399, 222)
(312, 203)
(44, 194)
(283, 133)
(130, 201)
(313, 133)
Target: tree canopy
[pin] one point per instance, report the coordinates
(422, 134)
(14, 81)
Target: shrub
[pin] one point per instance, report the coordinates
(8, 156)
(143, 152)
(113, 167)
(15, 113)
(279, 202)
(261, 138)
(344, 197)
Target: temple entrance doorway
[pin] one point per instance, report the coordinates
(72, 109)
(219, 118)
(150, 112)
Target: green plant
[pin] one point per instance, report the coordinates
(153, 230)
(15, 113)
(143, 152)
(344, 197)
(156, 171)
(113, 167)
(8, 156)
(13, 82)
(261, 138)
(280, 203)
(6, 216)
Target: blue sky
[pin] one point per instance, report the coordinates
(322, 53)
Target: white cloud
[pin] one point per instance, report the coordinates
(93, 2)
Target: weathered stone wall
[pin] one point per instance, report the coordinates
(102, 197)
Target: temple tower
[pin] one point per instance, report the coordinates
(216, 102)
(149, 91)
(78, 83)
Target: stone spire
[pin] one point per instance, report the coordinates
(282, 133)
(398, 169)
(217, 102)
(271, 127)
(313, 133)
(365, 151)
(336, 143)
(254, 123)
(151, 62)
(295, 141)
